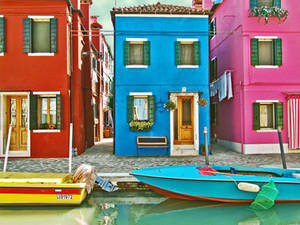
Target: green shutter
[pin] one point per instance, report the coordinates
(211, 71)
(96, 112)
(33, 112)
(129, 108)
(177, 53)
(53, 35)
(147, 53)
(277, 3)
(126, 53)
(279, 115)
(253, 4)
(254, 52)
(2, 34)
(215, 69)
(214, 27)
(151, 108)
(277, 45)
(256, 116)
(59, 107)
(27, 35)
(197, 53)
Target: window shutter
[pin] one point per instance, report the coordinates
(277, 3)
(147, 53)
(254, 52)
(151, 108)
(2, 34)
(27, 35)
(211, 71)
(129, 109)
(126, 53)
(279, 115)
(214, 26)
(96, 111)
(53, 35)
(256, 116)
(197, 53)
(177, 53)
(277, 45)
(59, 112)
(215, 69)
(253, 4)
(33, 112)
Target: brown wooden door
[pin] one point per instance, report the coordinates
(17, 108)
(184, 120)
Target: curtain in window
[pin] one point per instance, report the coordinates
(294, 122)
(268, 3)
(266, 116)
(136, 55)
(52, 110)
(140, 109)
(41, 37)
(266, 52)
(187, 54)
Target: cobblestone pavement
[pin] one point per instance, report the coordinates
(101, 156)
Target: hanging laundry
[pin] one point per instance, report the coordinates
(213, 88)
(222, 91)
(229, 86)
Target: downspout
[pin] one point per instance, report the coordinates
(114, 91)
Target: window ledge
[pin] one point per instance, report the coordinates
(1, 53)
(267, 130)
(188, 66)
(267, 67)
(47, 131)
(137, 66)
(41, 54)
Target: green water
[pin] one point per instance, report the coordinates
(148, 208)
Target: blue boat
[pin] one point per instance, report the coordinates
(220, 183)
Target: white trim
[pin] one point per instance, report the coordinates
(140, 93)
(136, 66)
(187, 39)
(136, 39)
(267, 66)
(267, 101)
(266, 37)
(40, 17)
(1, 16)
(46, 131)
(187, 66)
(161, 15)
(265, 130)
(264, 148)
(1, 53)
(41, 54)
(46, 92)
(212, 59)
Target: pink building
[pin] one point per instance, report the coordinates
(262, 59)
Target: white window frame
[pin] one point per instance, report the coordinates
(266, 66)
(187, 40)
(215, 31)
(268, 102)
(136, 66)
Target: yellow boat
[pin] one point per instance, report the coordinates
(40, 189)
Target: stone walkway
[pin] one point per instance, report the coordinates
(101, 156)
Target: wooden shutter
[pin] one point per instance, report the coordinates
(177, 53)
(147, 53)
(59, 107)
(33, 112)
(256, 116)
(27, 35)
(197, 53)
(279, 115)
(214, 26)
(277, 3)
(215, 69)
(277, 46)
(253, 4)
(151, 108)
(2, 34)
(126, 53)
(53, 35)
(129, 108)
(254, 52)
(211, 71)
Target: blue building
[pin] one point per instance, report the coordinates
(161, 56)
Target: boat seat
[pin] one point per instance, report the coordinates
(296, 175)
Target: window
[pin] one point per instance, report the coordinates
(213, 28)
(267, 3)
(267, 115)
(213, 113)
(213, 69)
(45, 111)
(187, 53)
(136, 52)
(140, 108)
(2, 34)
(40, 35)
(266, 51)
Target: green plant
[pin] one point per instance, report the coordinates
(140, 125)
(170, 105)
(202, 102)
(266, 12)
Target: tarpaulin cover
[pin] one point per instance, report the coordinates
(207, 170)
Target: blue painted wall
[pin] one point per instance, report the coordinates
(160, 77)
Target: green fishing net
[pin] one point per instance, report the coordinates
(265, 197)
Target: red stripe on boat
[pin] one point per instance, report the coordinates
(36, 190)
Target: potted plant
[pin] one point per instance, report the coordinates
(202, 102)
(140, 125)
(267, 12)
(170, 105)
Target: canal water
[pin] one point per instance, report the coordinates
(148, 208)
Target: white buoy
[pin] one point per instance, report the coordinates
(243, 186)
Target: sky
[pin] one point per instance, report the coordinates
(102, 9)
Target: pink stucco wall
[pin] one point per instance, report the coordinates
(232, 48)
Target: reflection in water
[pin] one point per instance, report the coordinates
(149, 208)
